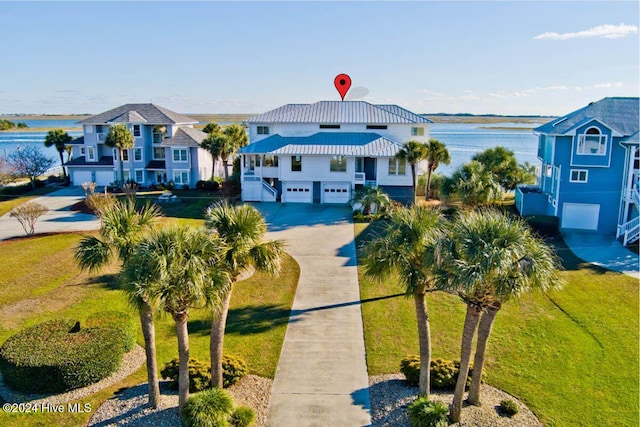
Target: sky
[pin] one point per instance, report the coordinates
(497, 57)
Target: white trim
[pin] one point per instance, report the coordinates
(586, 176)
(177, 150)
(133, 127)
(181, 171)
(153, 153)
(125, 153)
(135, 173)
(91, 154)
(141, 150)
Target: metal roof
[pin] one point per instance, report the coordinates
(339, 112)
(326, 144)
(620, 114)
(185, 137)
(139, 113)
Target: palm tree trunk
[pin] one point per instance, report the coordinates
(213, 168)
(484, 330)
(225, 164)
(426, 190)
(469, 330)
(183, 360)
(413, 177)
(149, 333)
(424, 337)
(121, 169)
(64, 172)
(216, 343)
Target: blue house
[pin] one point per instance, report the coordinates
(590, 170)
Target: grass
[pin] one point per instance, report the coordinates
(40, 281)
(571, 356)
(9, 202)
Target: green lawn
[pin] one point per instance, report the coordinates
(39, 280)
(571, 356)
(9, 202)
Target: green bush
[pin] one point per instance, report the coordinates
(208, 185)
(508, 407)
(424, 413)
(242, 416)
(59, 355)
(121, 322)
(443, 373)
(210, 408)
(199, 375)
(233, 370)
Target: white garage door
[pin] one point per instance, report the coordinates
(582, 216)
(336, 193)
(297, 192)
(104, 177)
(81, 176)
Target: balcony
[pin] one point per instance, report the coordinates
(359, 178)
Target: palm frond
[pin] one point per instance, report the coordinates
(92, 253)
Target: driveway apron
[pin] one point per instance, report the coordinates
(321, 379)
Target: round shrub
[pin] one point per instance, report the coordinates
(199, 375)
(443, 373)
(242, 416)
(508, 407)
(208, 185)
(121, 322)
(210, 408)
(233, 370)
(424, 413)
(58, 356)
(410, 368)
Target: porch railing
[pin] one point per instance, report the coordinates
(630, 231)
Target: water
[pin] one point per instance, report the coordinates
(463, 140)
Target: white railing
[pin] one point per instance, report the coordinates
(270, 189)
(359, 177)
(251, 178)
(371, 183)
(101, 136)
(630, 230)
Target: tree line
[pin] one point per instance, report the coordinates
(7, 124)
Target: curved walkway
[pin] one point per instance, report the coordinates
(60, 217)
(321, 379)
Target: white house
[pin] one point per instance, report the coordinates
(321, 152)
(166, 148)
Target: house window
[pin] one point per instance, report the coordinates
(88, 129)
(179, 154)
(376, 126)
(548, 171)
(579, 175)
(126, 175)
(181, 177)
(270, 160)
(417, 131)
(296, 163)
(140, 176)
(338, 164)
(125, 155)
(136, 131)
(82, 151)
(329, 126)
(263, 130)
(99, 128)
(91, 154)
(158, 153)
(592, 143)
(397, 166)
(137, 154)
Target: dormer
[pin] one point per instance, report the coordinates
(592, 144)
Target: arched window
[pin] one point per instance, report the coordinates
(592, 143)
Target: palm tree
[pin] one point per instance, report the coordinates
(236, 138)
(214, 143)
(59, 139)
(124, 226)
(436, 153)
(476, 185)
(242, 228)
(495, 258)
(211, 127)
(413, 152)
(181, 268)
(371, 196)
(406, 248)
(120, 138)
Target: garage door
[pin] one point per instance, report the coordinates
(581, 216)
(296, 192)
(80, 176)
(104, 177)
(336, 193)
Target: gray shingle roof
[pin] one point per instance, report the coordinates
(77, 141)
(620, 114)
(327, 144)
(139, 113)
(185, 137)
(339, 112)
(80, 161)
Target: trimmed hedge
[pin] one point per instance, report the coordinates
(443, 373)
(121, 322)
(233, 370)
(59, 355)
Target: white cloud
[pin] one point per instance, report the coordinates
(608, 85)
(606, 31)
(442, 96)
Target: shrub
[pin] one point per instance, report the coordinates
(27, 215)
(508, 407)
(242, 416)
(58, 355)
(99, 202)
(233, 370)
(231, 187)
(208, 185)
(443, 373)
(211, 408)
(120, 322)
(410, 368)
(424, 413)
(199, 375)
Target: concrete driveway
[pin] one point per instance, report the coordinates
(602, 250)
(321, 378)
(59, 218)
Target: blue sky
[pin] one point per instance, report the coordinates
(503, 57)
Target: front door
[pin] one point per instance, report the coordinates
(369, 169)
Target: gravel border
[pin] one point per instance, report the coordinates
(131, 362)
(390, 396)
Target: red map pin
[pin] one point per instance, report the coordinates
(342, 83)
